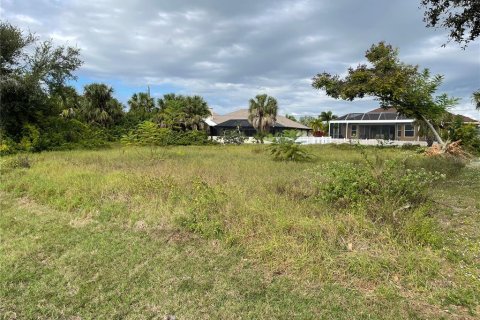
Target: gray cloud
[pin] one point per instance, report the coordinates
(229, 51)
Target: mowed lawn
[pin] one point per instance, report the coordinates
(224, 232)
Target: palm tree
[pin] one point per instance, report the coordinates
(262, 113)
(195, 109)
(182, 112)
(476, 99)
(99, 106)
(141, 104)
(316, 124)
(327, 116)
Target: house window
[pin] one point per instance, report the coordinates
(409, 130)
(399, 131)
(354, 131)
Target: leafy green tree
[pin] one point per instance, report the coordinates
(424, 131)
(262, 113)
(12, 51)
(460, 17)
(30, 78)
(306, 120)
(393, 83)
(99, 106)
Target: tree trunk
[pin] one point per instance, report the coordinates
(435, 133)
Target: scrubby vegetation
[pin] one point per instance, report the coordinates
(285, 147)
(226, 232)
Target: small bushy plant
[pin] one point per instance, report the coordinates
(284, 148)
(7, 145)
(150, 134)
(411, 147)
(392, 182)
(387, 191)
(233, 137)
(204, 208)
(14, 162)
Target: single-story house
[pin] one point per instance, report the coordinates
(379, 123)
(238, 120)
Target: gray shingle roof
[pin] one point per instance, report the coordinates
(242, 114)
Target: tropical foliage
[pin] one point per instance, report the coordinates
(142, 106)
(182, 112)
(262, 114)
(476, 99)
(285, 148)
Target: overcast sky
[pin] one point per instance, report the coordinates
(229, 51)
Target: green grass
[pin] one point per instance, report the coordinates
(224, 232)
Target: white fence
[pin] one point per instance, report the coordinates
(314, 140)
(327, 140)
(367, 142)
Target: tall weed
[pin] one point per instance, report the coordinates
(387, 190)
(204, 210)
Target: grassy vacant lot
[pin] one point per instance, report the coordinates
(224, 232)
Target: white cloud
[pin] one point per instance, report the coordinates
(26, 19)
(229, 51)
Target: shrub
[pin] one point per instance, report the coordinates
(20, 161)
(410, 146)
(391, 183)
(7, 145)
(233, 137)
(284, 148)
(150, 134)
(191, 137)
(387, 191)
(205, 206)
(30, 138)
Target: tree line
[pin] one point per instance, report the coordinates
(40, 110)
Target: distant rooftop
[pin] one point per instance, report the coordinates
(389, 114)
(375, 114)
(241, 117)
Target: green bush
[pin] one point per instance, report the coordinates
(150, 134)
(412, 147)
(30, 138)
(470, 137)
(191, 137)
(205, 207)
(387, 191)
(233, 137)
(7, 145)
(20, 161)
(55, 134)
(391, 183)
(284, 148)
